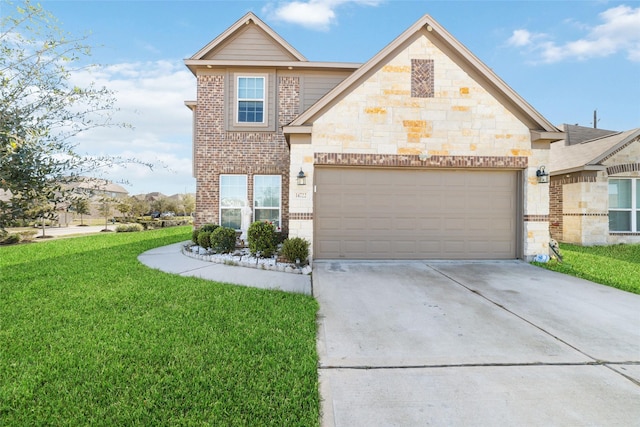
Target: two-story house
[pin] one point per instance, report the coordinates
(420, 153)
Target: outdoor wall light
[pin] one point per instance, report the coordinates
(302, 178)
(543, 177)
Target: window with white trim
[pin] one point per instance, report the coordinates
(267, 190)
(624, 205)
(251, 97)
(233, 196)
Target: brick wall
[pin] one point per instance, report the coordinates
(555, 208)
(218, 151)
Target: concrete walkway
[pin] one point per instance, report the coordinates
(72, 230)
(171, 260)
(474, 344)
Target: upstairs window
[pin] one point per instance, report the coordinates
(624, 205)
(251, 99)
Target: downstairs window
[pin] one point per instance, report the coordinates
(624, 205)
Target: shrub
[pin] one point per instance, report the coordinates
(9, 239)
(223, 240)
(209, 227)
(262, 239)
(194, 235)
(27, 235)
(129, 228)
(280, 237)
(204, 239)
(296, 248)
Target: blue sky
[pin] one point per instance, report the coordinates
(566, 58)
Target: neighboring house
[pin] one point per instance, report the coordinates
(420, 153)
(98, 188)
(595, 187)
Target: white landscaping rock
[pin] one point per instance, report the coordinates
(243, 258)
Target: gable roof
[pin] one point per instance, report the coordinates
(427, 26)
(575, 134)
(238, 27)
(249, 42)
(589, 155)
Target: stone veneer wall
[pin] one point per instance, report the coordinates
(462, 122)
(218, 151)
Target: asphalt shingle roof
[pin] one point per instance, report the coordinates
(569, 158)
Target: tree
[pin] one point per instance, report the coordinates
(139, 207)
(41, 111)
(82, 207)
(125, 207)
(164, 204)
(188, 204)
(105, 210)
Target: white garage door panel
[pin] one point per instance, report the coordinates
(415, 214)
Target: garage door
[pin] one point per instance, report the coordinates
(362, 213)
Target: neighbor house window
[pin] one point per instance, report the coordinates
(251, 99)
(233, 196)
(624, 205)
(266, 198)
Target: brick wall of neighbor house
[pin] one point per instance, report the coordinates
(555, 208)
(458, 121)
(220, 152)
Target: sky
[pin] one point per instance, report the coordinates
(566, 58)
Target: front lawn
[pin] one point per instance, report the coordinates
(88, 335)
(617, 266)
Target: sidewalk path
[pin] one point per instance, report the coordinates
(171, 260)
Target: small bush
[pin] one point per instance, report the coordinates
(194, 235)
(129, 228)
(296, 248)
(209, 227)
(223, 240)
(27, 236)
(9, 239)
(204, 239)
(156, 223)
(262, 239)
(280, 237)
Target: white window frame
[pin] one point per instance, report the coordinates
(263, 99)
(279, 208)
(635, 205)
(239, 203)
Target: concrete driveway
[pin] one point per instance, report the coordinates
(474, 344)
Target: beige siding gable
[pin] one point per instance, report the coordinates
(250, 44)
(315, 86)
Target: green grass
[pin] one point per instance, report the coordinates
(617, 266)
(89, 336)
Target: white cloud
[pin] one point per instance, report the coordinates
(520, 38)
(313, 14)
(150, 97)
(619, 32)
